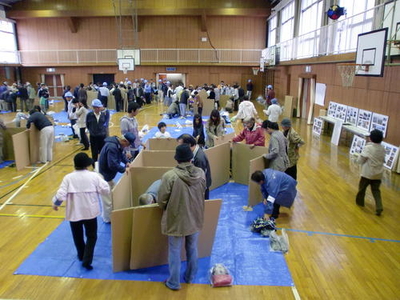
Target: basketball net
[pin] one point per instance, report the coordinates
(255, 70)
(125, 70)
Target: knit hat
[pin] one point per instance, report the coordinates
(82, 160)
(130, 137)
(183, 153)
(97, 103)
(286, 123)
(274, 101)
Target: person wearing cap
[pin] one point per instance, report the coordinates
(148, 91)
(97, 125)
(81, 190)
(104, 94)
(249, 88)
(274, 111)
(252, 133)
(111, 161)
(269, 94)
(150, 196)
(277, 149)
(46, 129)
(294, 143)
(371, 159)
(181, 198)
(129, 123)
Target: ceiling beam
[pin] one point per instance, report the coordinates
(204, 22)
(73, 24)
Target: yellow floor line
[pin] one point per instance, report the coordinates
(31, 216)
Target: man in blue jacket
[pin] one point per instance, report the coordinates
(111, 161)
(277, 188)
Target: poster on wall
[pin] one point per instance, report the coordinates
(357, 145)
(332, 109)
(320, 91)
(379, 122)
(351, 115)
(364, 119)
(391, 153)
(341, 112)
(317, 126)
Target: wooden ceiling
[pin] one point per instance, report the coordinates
(106, 8)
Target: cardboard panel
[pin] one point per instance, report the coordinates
(111, 102)
(159, 158)
(91, 95)
(223, 139)
(122, 193)
(34, 143)
(289, 105)
(162, 144)
(241, 156)
(142, 178)
(208, 105)
(255, 195)
(20, 142)
(219, 159)
(121, 232)
(223, 100)
(138, 161)
(150, 248)
(8, 145)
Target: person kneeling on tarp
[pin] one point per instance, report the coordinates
(277, 188)
(150, 196)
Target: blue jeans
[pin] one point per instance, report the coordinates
(174, 259)
(182, 108)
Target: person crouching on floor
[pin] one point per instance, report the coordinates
(81, 190)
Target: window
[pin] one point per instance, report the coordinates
(287, 31)
(272, 26)
(8, 45)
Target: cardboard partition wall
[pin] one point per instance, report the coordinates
(149, 247)
(161, 144)
(289, 106)
(20, 142)
(34, 143)
(241, 156)
(208, 105)
(219, 159)
(138, 161)
(8, 145)
(223, 100)
(142, 178)
(122, 193)
(255, 196)
(111, 102)
(121, 234)
(223, 139)
(159, 158)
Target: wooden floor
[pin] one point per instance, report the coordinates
(338, 250)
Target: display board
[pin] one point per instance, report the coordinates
(332, 109)
(351, 115)
(391, 155)
(357, 145)
(364, 119)
(317, 126)
(379, 122)
(340, 112)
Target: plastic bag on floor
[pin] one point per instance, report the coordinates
(279, 242)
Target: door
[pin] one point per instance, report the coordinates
(55, 84)
(100, 78)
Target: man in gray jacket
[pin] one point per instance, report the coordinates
(181, 197)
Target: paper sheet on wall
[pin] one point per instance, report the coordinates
(320, 90)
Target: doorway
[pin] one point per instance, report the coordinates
(306, 97)
(100, 78)
(174, 78)
(55, 83)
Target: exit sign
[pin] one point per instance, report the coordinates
(170, 69)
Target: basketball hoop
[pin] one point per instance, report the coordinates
(125, 70)
(348, 71)
(255, 70)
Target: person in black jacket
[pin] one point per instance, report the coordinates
(23, 97)
(46, 134)
(118, 98)
(200, 159)
(183, 102)
(98, 128)
(198, 130)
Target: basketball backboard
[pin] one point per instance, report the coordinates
(126, 64)
(371, 47)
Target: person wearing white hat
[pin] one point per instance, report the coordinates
(97, 124)
(104, 93)
(274, 111)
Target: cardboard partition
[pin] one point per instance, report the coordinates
(289, 105)
(138, 161)
(121, 233)
(122, 193)
(219, 159)
(34, 143)
(142, 178)
(255, 196)
(159, 158)
(223, 100)
(111, 102)
(223, 139)
(208, 105)
(149, 247)
(20, 142)
(241, 156)
(8, 145)
(161, 144)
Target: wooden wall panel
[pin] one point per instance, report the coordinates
(376, 94)
(154, 32)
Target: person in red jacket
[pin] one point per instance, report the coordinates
(252, 134)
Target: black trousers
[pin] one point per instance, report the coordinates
(84, 138)
(104, 100)
(275, 211)
(200, 110)
(96, 144)
(292, 172)
(85, 250)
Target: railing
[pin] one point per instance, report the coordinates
(147, 56)
(335, 38)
